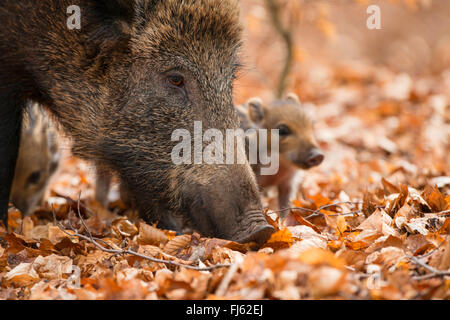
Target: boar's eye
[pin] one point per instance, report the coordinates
(284, 130)
(176, 80)
(34, 177)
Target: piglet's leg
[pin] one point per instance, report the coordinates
(287, 191)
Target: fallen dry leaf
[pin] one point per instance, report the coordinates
(22, 275)
(151, 235)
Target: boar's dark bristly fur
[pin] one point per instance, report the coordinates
(107, 85)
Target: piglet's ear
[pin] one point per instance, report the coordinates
(255, 109)
(293, 97)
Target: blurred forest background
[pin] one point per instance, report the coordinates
(377, 95)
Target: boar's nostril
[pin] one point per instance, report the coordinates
(263, 234)
(314, 159)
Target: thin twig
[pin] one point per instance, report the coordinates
(227, 279)
(315, 213)
(444, 212)
(434, 272)
(81, 218)
(119, 251)
(433, 251)
(70, 200)
(294, 208)
(433, 275)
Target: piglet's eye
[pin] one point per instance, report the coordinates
(34, 178)
(284, 130)
(176, 81)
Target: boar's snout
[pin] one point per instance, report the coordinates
(259, 232)
(226, 205)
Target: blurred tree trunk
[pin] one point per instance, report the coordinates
(273, 8)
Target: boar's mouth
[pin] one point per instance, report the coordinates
(253, 228)
(260, 234)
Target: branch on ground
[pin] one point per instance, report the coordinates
(106, 247)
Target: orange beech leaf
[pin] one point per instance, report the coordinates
(122, 227)
(316, 256)
(273, 219)
(67, 247)
(27, 226)
(170, 234)
(56, 235)
(396, 201)
(435, 238)
(342, 225)
(297, 215)
(393, 241)
(445, 229)
(306, 238)
(151, 235)
(280, 239)
(447, 199)
(22, 275)
(17, 243)
(177, 244)
(434, 198)
(388, 108)
(368, 204)
(297, 203)
(415, 241)
(415, 199)
(320, 200)
(301, 204)
(445, 262)
(335, 244)
(47, 247)
(14, 218)
(325, 281)
(389, 187)
(403, 215)
(355, 259)
(356, 245)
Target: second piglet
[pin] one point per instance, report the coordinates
(37, 161)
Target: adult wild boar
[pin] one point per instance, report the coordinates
(134, 72)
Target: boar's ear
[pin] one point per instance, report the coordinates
(293, 97)
(255, 110)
